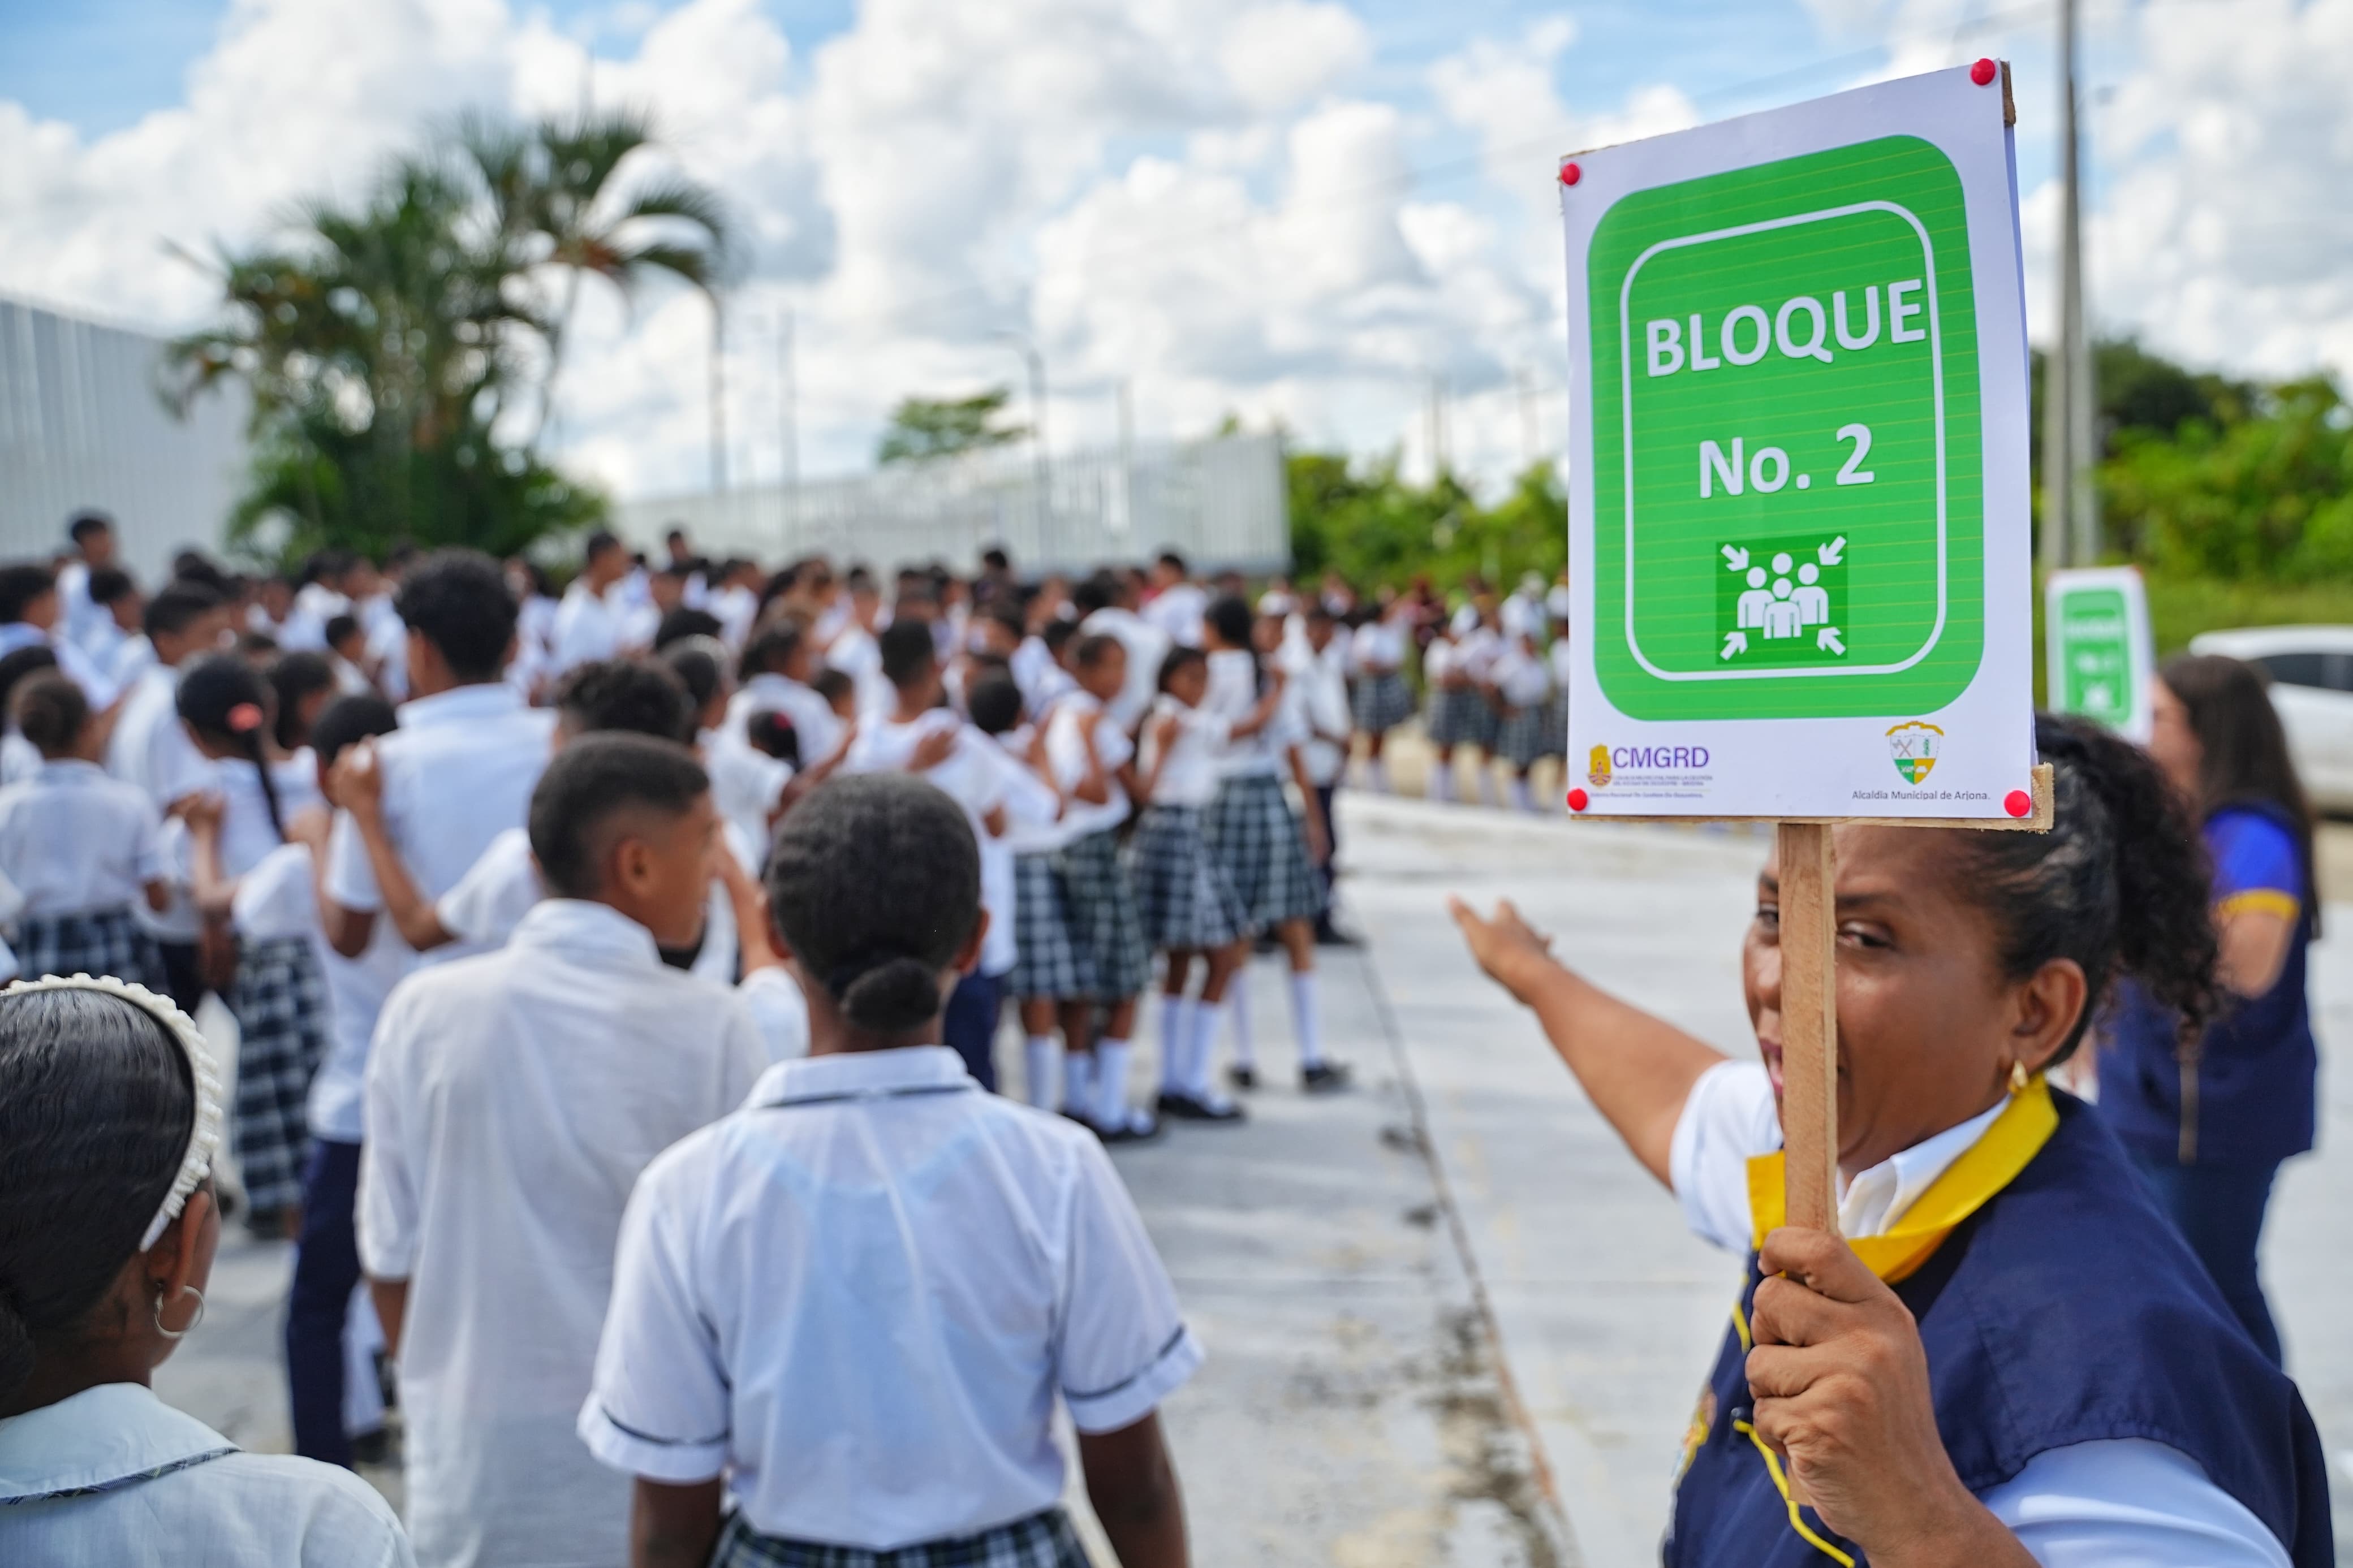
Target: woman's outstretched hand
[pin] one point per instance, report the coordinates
(1514, 953)
(1841, 1388)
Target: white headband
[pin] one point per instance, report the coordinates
(204, 1130)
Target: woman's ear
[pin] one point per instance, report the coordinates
(967, 958)
(2047, 1007)
(182, 1257)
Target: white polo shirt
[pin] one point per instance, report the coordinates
(1189, 777)
(1146, 646)
(457, 772)
(511, 1100)
(860, 1296)
(74, 841)
(588, 628)
(151, 748)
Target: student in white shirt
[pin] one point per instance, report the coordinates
(1106, 605)
(1033, 812)
(1518, 684)
(1314, 664)
(1178, 603)
(853, 649)
(30, 610)
(511, 1100)
(109, 1122)
(1188, 904)
(1268, 850)
(1998, 1285)
(914, 1272)
(960, 761)
(1381, 699)
(151, 749)
(1041, 668)
(750, 786)
(1555, 724)
(1478, 643)
(588, 624)
(114, 641)
(80, 849)
(462, 768)
(87, 618)
(263, 800)
(777, 667)
(737, 601)
(19, 758)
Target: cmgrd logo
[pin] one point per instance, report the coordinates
(1912, 748)
(1596, 767)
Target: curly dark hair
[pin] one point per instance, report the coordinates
(643, 696)
(458, 600)
(2120, 884)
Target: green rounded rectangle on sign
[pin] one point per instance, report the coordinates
(1788, 489)
(2094, 633)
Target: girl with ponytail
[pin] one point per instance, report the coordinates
(110, 1124)
(2006, 1354)
(253, 840)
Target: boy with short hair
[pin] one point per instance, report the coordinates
(511, 1100)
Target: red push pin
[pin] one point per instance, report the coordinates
(2018, 803)
(1570, 174)
(1578, 800)
(1982, 73)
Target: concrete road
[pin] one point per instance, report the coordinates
(1449, 1321)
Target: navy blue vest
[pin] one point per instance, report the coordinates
(2064, 1311)
(2256, 1101)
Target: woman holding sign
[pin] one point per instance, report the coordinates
(2210, 1115)
(2012, 1358)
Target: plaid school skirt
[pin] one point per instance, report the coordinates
(1459, 716)
(1555, 740)
(1106, 927)
(1181, 889)
(95, 943)
(279, 999)
(1263, 850)
(1042, 1541)
(1047, 963)
(1519, 735)
(1381, 702)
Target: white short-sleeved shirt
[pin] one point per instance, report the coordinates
(459, 771)
(1190, 776)
(1316, 711)
(74, 840)
(857, 654)
(491, 900)
(113, 1478)
(151, 748)
(1177, 610)
(356, 990)
(278, 897)
(980, 778)
(781, 1011)
(1234, 692)
(860, 1296)
(73, 662)
(746, 782)
(1066, 753)
(1146, 646)
(248, 835)
(2087, 1505)
(511, 1100)
(820, 729)
(588, 628)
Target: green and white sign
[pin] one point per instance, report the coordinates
(2098, 654)
(1799, 486)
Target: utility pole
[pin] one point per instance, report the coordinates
(2071, 522)
(1437, 426)
(718, 396)
(788, 433)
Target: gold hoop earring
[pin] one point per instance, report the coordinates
(2018, 1079)
(177, 1334)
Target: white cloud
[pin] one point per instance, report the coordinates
(1279, 56)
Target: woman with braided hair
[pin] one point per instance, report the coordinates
(2012, 1358)
(109, 1119)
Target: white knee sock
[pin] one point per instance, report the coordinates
(1488, 794)
(1079, 1083)
(1521, 800)
(1442, 779)
(1111, 1084)
(1202, 1054)
(1304, 1021)
(1042, 1054)
(1238, 1008)
(1176, 1044)
(1376, 774)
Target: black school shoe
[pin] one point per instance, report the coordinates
(1242, 1077)
(1140, 1129)
(1184, 1108)
(1324, 1078)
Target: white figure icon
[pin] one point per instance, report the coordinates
(1754, 602)
(1814, 601)
(1782, 617)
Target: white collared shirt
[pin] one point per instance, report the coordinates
(857, 654)
(1178, 610)
(74, 840)
(1316, 709)
(819, 729)
(114, 1478)
(356, 990)
(73, 661)
(1233, 694)
(459, 771)
(2086, 1505)
(1190, 776)
(746, 783)
(1066, 753)
(588, 628)
(512, 1099)
(861, 1294)
(151, 748)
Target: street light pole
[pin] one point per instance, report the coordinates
(2071, 523)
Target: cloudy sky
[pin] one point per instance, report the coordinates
(1296, 210)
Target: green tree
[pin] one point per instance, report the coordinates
(400, 352)
(922, 428)
(1364, 521)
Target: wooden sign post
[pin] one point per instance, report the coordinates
(1798, 515)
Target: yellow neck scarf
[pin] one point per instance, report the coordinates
(1985, 1168)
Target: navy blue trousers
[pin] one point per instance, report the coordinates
(326, 1267)
(970, 1026)
(2219, 1210)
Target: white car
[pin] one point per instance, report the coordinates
(2312, 686)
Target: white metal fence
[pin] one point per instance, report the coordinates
(80, 426)
(1220, 501)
